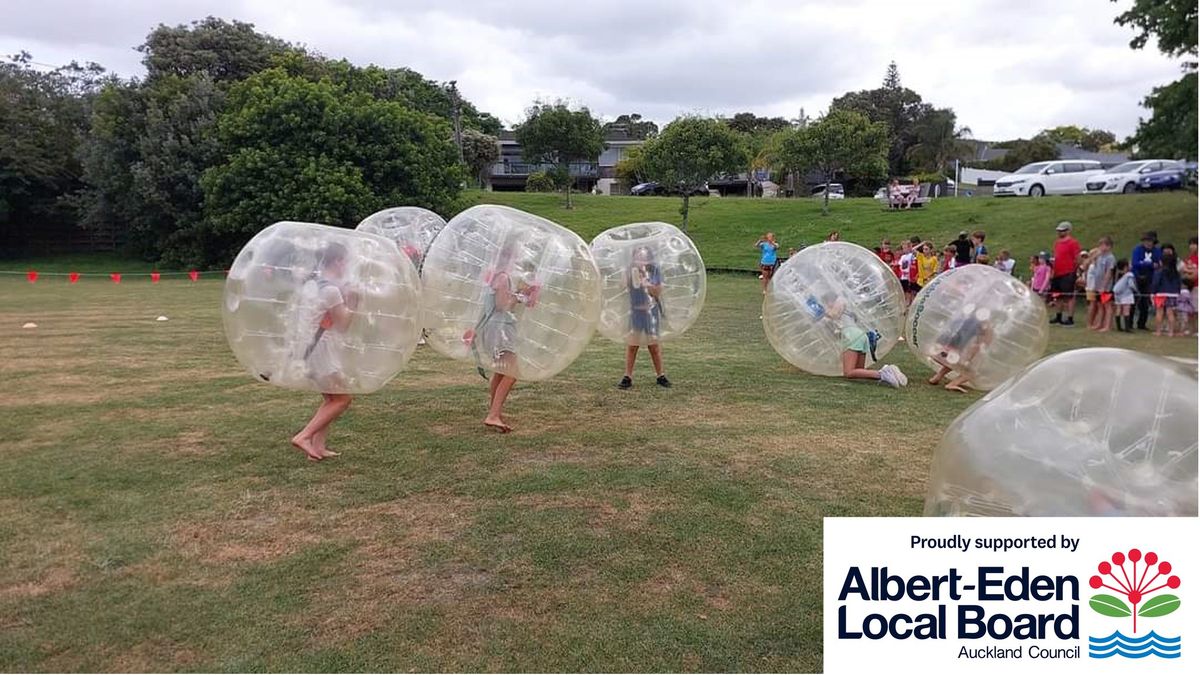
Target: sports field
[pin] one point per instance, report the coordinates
(155, 517)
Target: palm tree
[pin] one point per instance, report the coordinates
(940, 141)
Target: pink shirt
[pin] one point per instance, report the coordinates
(1041, 278)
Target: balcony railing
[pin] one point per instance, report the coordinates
(583, 169)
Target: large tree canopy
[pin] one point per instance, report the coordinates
(689, 152)
(553, 133)
(1171, 129)
(842, 142)
(899, 108)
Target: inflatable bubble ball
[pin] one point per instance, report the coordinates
(321, 308)
(510, 292)
(652, 282)
(412, 228)
(978, 321)
(1089, 432)
(825, 294)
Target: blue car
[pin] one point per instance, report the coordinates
(1167, 179)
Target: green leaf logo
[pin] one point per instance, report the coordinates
(1110, 605)
(1159, 606)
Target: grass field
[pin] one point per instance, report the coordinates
(155, 518)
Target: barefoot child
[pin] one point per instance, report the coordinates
(856, 343)
(1165, 286)
(645, 315)
(327, 307)
(494, 338)
(959, 346)
(1099, 286)
(1039, 282)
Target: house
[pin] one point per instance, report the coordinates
(1106, 159)
(511, 171)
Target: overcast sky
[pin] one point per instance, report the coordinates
(1007, 67)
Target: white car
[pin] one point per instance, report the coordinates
(836, 191)
(1059, 177)
(1124, 178)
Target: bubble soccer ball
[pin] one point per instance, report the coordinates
(823, 295)
(281, 300)
(412, 228)
(1089, 432)
(510, 292)
(652, 282)
(979, 321)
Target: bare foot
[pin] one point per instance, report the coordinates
(1102, 330)
(326, 453)
(955, 387)
(497, 424)
(306, 446)
(935, 380)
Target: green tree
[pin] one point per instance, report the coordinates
(303, 150)
(631, 168)
(225, 51)
(1171, 129)
(896, 106)
(480, 151)
(939, 141)
(749, 123)
(843, 142)
(552, 133)
(43, 116)
(633, 126)
(689, 152)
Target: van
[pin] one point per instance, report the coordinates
(1059, 177)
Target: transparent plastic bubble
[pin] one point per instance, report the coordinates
(412, 228)
(1089, 432)
(979, 321)
(653, 282)
(510, 292)
(281, 303)
(822, 297)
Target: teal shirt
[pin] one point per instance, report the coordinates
(768, 252)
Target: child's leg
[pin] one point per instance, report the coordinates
(941, 373)
(631, 358)
(494, 418)
(1106, 317)
(492, 384)
(1170, 322)
(1159, 316)
(852, 366)
(331, 408)
(958, 383)
(656, 357)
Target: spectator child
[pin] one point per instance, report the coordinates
(769, 251)
(1041, 278)
(1166, 285)
(977, 247)
(1004, 262)
(1124, 295)
(962, 249)
(1099, 286)
(948, 259)
(908, 271)
(927, 264)
(886, 254)
(983, 259)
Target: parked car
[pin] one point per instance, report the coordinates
(653, 188)
(1126, 178)
(1068, 177)
(836, 191)
(1174, 178)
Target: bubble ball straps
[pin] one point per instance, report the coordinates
(547, 273)
(823, 291)
(653, 282)
(288, 285)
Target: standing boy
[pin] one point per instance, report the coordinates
(1099, 286)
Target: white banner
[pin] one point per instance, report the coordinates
(1005, 595)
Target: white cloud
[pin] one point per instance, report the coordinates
(1007, 67)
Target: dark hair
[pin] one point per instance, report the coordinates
(333, 253)
(1168, 262)
(1122, 264)
(914, 240)
(979, 234)
(1191, 240)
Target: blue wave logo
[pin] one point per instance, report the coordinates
(1118, 644)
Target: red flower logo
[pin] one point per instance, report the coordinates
(1137, 588)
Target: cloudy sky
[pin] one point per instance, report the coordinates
(1008, 67)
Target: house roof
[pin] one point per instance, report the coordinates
(614, 136)
(1068, 151)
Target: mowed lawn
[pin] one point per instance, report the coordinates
(154, 516)
(725, 229)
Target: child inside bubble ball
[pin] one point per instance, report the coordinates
(856, 343)
(327, 306)
(646, 314)
(493, 340)
(957, 348)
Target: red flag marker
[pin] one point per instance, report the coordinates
(116, 277)
(31, 275)
(154, 276)
(73, 277)
(193, 275)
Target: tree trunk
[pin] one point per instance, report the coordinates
(684, 210)
(825, 201)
